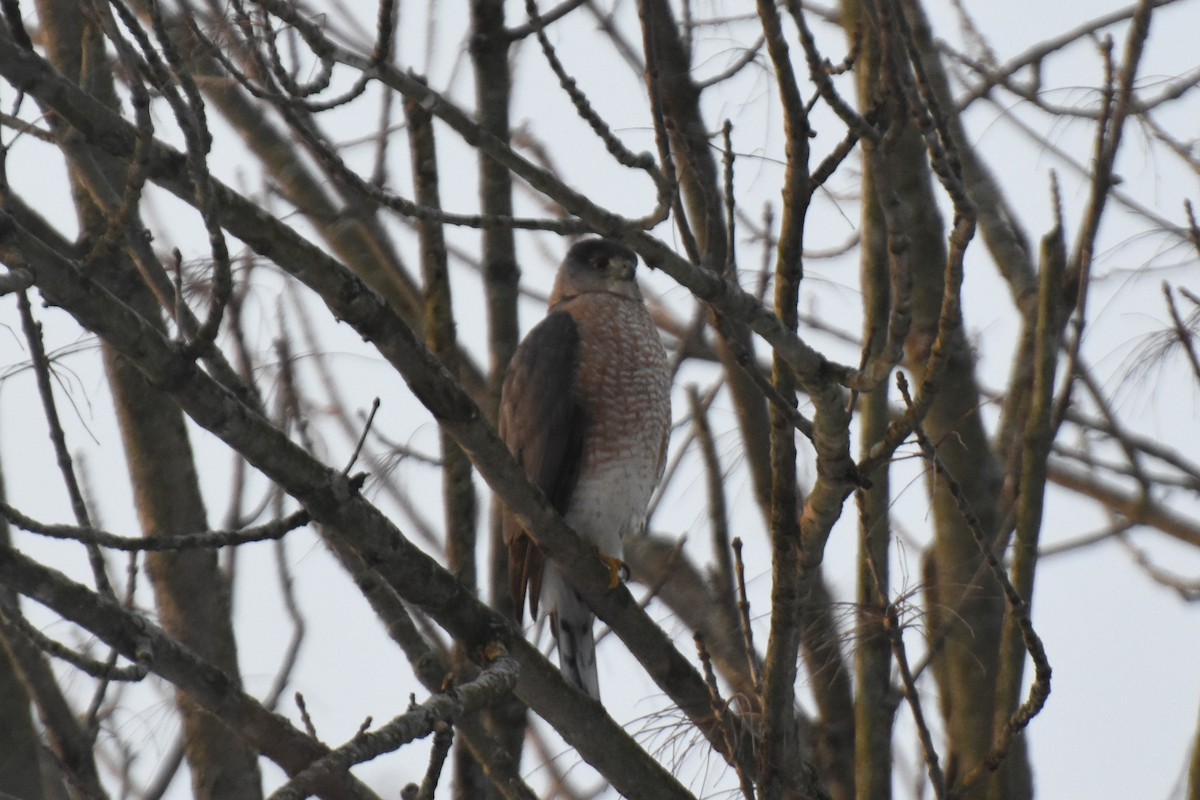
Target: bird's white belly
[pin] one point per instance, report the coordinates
(610, 503)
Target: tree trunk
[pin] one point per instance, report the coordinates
(965, 603)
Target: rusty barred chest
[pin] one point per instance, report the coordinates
(625, 385)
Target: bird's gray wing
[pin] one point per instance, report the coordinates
(542, 421)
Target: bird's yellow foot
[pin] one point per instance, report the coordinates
(618, 570)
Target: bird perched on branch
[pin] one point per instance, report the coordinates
(586, 410)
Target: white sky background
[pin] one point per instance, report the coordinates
(1125, 651)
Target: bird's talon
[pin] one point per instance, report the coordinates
(618, 571)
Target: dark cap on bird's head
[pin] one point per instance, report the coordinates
(597, 265)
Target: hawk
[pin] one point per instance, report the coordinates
(586, 410)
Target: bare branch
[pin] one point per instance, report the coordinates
(492, 684)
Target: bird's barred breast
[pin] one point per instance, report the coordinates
(624, 380)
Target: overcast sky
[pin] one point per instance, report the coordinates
(1125, 651)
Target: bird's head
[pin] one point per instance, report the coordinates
(597, 265)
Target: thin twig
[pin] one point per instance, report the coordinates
(41, 369)
(363, 438)
(743, 604)
(97, 669)
(443, 737)
(615, 147)
(891, 623)
(721, 709)
(184, 541)
(1185, 333)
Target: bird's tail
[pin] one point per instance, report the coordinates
(572, 623)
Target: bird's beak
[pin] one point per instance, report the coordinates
(624, 269)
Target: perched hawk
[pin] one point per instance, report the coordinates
(586, 410)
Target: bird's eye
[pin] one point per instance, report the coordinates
(599, 264)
